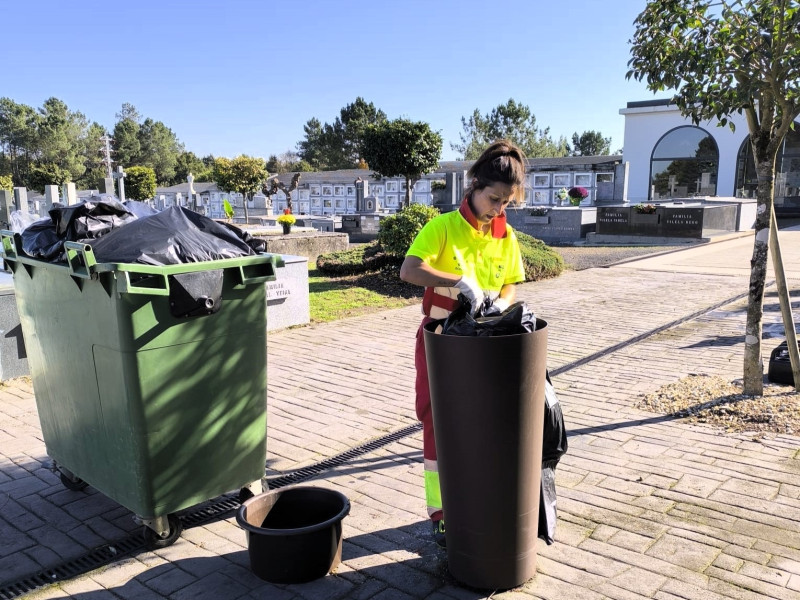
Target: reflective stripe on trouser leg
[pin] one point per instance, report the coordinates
(433, 496)
(433, 493)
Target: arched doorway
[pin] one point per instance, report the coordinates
(787, 173)
(684, 163)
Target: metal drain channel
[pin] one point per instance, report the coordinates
(220, 508)
(230, 502)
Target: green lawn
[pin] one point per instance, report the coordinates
(335, 298)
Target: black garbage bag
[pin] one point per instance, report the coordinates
(513, 320)
(173, 236)
(41, 240)
(554, 446)
(140, 209)
(257, 244)
(94, 217)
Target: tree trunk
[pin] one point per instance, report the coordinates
(753, 375)
(244, 205)
(407, 201)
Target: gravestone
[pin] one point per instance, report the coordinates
(69, 194)
(6, 207)
(21, 199)
(108, 186)
(50, 196)
(613, 220)
(682, 222)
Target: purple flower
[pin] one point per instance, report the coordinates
(578, 192)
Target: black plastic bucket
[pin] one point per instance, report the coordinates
(294, 534)
(487, 396)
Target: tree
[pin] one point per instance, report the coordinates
(140, 183)
(244, 175)
(159, 149)
(19, 124)
(402, 148)
(6, 183)
(509, 121)
(61, 138)
(338, 145)
(287, 162)
(721, 57)
(127, 148)
(590, 143)
(188, 162)
(92, 158)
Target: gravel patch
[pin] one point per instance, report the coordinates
(715, 401)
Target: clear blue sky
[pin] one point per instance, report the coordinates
(244, 76)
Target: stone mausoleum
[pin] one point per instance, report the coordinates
(671, 158)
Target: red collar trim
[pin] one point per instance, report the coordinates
(497, 225)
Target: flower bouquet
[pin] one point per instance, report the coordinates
(286, 221)
(577, 195)
(539, 211)
(645, 209)
(562, 194)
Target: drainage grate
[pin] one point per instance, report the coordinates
(340, 459)
(220, 508)
(72, 568)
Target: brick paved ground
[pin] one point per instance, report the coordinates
(649, 507)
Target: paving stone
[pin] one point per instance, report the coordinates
(631, 541)
(211, 587)
(639, 581)
(696, 486)
(727, 562)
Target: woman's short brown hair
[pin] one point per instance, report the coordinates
(501, 162)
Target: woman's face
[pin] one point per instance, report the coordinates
(491, 201)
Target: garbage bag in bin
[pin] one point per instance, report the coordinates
(554, 446)
(487, 396)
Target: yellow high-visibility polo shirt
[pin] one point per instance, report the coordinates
(450, 244)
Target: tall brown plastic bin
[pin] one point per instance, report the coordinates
(487, 396)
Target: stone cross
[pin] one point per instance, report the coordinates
(119, 175)
(192, 197)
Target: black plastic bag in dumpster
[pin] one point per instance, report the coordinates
(92, 218)
(41, 240)
(258, 245)
(513, 320)
(554, 446)
(173, 236)
(140, 209)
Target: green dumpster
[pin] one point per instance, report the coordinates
(158, 412)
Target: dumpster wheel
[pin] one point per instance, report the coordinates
(76, 485)
(152, 540)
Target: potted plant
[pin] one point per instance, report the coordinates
(286, 220)
(645, 209)
(228, 209)
(577, 195)
(538, 215)
(645, 219)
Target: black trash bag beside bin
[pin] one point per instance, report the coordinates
(517, 319)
